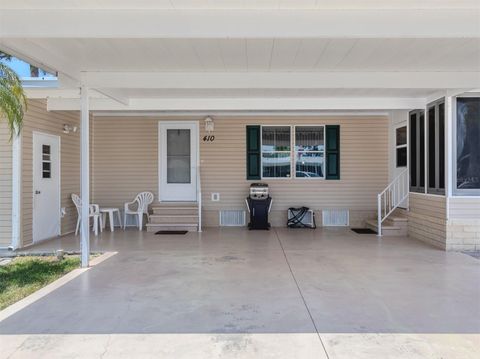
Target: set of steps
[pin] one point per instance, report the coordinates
(169, 216)
(394, 225)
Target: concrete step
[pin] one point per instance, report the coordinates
(387, 228)
(396, 222)
(170, 211)
(154, 227)
(173, 219)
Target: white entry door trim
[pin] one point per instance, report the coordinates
(177, 191)
(46, 209)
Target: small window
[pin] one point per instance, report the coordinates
(309, 151)
(401, 146)
(46, 163)
(276, 152)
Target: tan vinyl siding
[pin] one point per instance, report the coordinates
(463, 226)
(125, 161)
(427, 218)
(5, 185)
(40, 120)
(464, 208)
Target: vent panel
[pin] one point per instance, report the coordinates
(335, 217)
(232, 218)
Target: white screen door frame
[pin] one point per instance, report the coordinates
(46, 190)
(169, 191)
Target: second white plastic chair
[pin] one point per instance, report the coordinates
(142, 200)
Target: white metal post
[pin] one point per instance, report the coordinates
(85, 176)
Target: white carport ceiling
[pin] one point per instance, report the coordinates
(308, 50)
(260, 54)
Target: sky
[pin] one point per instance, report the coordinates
(23, 69)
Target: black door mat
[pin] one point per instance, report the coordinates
(363, 231)
(171, 232)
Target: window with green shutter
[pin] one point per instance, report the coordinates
(332, 156)
(253, 152)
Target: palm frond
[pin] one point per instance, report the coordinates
(13, 102)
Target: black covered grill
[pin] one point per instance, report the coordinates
(259, 203)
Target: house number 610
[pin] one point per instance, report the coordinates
(208, 138)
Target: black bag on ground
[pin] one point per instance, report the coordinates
(296, 218)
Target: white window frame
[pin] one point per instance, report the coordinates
(295, 152)
(397, 147)
(455, 191)
(262, 152)
(293, 172)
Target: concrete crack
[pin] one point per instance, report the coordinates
(301, 294)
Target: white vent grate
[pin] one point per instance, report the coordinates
(335, 217)
(232, 218)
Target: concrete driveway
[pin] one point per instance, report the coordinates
(328, 293)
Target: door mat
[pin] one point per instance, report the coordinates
(363, 231)
(171, 232)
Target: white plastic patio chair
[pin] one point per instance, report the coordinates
(94, 212)
(142, 200)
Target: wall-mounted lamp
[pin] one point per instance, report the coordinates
(209, 124)
(69, 128)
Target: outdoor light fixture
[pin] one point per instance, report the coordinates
(209, 124)
(69, 128)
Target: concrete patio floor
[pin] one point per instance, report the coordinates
(328, 293)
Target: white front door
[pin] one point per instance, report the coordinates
(178, 161)
(46, 186)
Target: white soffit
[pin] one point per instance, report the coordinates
(244, 54)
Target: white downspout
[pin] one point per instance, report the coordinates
(85, 176)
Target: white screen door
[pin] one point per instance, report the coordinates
(178, 161)
(46, 186)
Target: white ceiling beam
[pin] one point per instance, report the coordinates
(282, 80)
(241, 104)
(148, 23)
(115, 95)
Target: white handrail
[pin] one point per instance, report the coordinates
(199, 199)
(391, 197)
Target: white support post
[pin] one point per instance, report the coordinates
(449, 125)
(85, 176)
(16, 191)
(379, 215)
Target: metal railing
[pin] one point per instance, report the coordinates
(391, 197)
(199, 199)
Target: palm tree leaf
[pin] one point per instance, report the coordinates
(13, 102)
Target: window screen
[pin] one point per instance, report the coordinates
(468, 145)
(276, 148)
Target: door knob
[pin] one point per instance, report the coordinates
(37, 192)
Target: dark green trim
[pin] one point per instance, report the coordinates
(332, 152)
(253, 152)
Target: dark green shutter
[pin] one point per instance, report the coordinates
(332, 153)
(253, 152)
